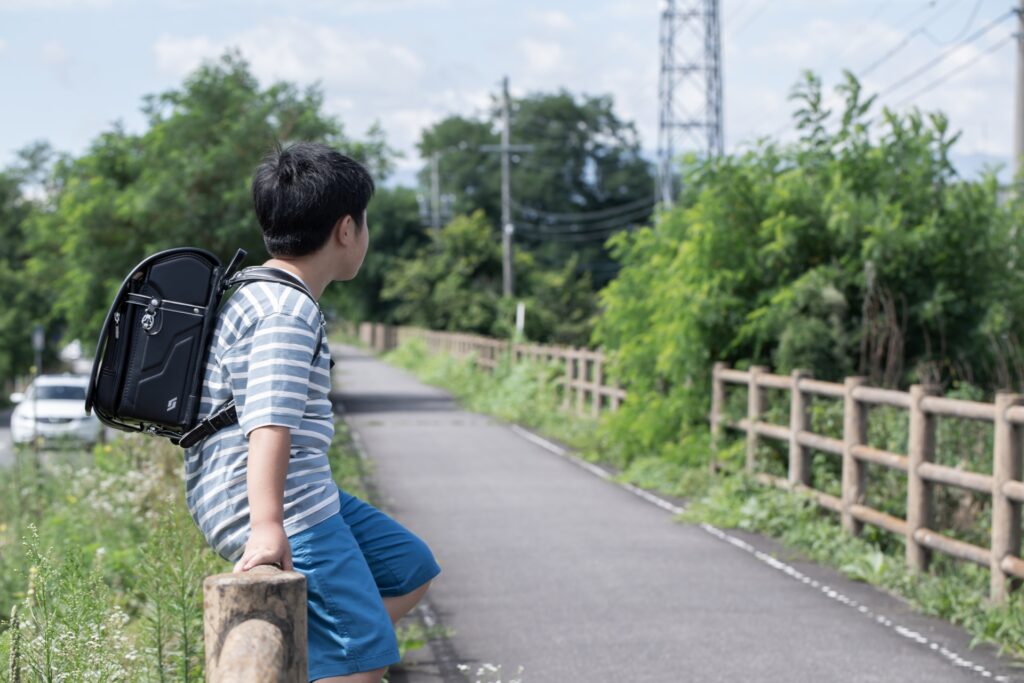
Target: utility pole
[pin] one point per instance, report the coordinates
(435, 192)
(507, 274)
(1018, 115)
(689, 86)
(507, 227)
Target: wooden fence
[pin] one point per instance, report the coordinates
(1004, 484)
(585, 387)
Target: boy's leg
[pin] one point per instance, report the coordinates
(374, 676)
(403, 566)
(399, 605)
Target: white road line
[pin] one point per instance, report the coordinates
(795, 574)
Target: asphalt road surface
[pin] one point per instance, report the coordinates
(575, 578)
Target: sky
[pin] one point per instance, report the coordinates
(69, 69)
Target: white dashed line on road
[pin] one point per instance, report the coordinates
(773, 562)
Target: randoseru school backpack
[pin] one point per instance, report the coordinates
(151, 355)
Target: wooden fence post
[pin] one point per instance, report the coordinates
(596, 396)
(567, 381)
(920, 449)
(799, 420)
(254, 625)
(717, 404)
(755, 406)
(854, 434)
(1006, 466)
(582, 366)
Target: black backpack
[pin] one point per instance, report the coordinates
(152, 351)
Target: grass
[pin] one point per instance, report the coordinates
(956, 591)
(101, 565)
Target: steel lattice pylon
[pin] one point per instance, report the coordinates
(689, 87)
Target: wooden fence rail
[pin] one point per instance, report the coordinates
(1004, 485)
(586, 388)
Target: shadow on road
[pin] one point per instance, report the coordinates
(392, 403)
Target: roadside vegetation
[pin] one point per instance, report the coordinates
(101, 566)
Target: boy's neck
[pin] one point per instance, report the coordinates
(306, 271)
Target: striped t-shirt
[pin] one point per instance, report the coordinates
(262, 357)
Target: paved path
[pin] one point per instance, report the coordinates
(577, 579)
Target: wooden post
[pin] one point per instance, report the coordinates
(920, 449)
(582, 365)
(254, 624)
(596, 395)
(717, 404)
(799, 421)
(854, 434)
(567, 381)
(755, 405)
(1006, 466)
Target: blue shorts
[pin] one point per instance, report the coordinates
(351, 561)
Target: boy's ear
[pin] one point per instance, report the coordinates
(345, 231)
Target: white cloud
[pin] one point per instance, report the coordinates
(552, 19)
(542, 56)
(178, 56)
(302, 52)
(56, 58)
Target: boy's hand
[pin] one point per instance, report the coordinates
(267, 544)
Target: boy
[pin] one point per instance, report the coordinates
(261, 490)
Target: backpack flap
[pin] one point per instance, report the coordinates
(153, 347)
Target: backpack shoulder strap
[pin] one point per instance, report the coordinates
(228, 415)
(281, 277)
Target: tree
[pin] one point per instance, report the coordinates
(855, 250)
(453, 283)
(24, 306)
(583, 180)
(183, 181)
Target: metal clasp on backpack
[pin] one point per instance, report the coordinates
(149, 318)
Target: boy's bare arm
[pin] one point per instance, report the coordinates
(269, 451)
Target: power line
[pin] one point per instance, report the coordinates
(576, 228)
(963, 31)
(864, 38)
(570, 238)
(609, 223)
(920, 30)
(754, 14)
(586, 216)
(939, 59)
(953, 72)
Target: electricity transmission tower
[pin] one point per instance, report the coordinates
(689, 87)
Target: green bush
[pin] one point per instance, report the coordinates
(855, 250)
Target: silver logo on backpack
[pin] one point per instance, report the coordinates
(172, 404)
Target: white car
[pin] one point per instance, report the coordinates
(60, 401)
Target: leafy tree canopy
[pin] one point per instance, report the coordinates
(856, 250)
(184, 181)
(583, 159)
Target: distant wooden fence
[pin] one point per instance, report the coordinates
(585, 387)
(1004, 485)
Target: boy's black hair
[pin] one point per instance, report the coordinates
(300, 193)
